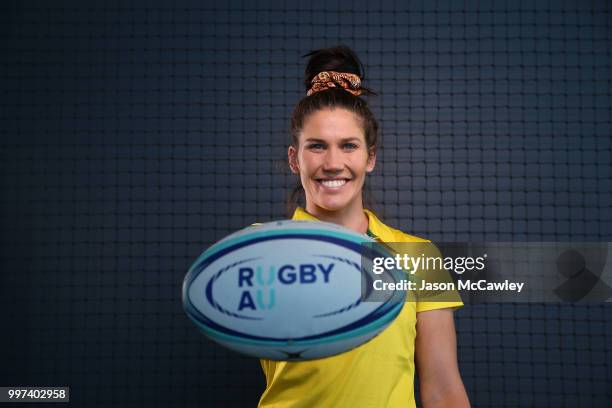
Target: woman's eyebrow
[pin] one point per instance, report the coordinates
(344, 140)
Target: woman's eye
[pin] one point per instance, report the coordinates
(315, 146)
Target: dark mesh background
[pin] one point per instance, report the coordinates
(132, 136)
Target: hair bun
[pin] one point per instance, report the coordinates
(336, 60)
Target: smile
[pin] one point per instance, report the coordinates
(333, 183)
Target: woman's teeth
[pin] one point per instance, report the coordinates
(333, 183)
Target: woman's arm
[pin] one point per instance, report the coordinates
(436, 359)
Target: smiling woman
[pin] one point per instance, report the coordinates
(333, 148)
(334, 137)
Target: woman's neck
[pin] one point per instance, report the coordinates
(352, 217)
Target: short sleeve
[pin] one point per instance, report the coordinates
(440, 299)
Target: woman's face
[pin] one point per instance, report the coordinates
(332, 159)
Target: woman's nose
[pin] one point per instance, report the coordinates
(333, 160)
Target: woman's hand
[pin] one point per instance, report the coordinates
(436, 360)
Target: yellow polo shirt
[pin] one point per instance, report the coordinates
(377, 374)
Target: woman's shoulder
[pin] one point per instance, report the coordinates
(389, 234)
(401, 236)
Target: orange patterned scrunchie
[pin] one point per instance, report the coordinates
(331, 79)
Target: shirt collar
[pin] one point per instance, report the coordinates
(375, 226)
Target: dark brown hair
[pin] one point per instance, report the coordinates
(341, 59)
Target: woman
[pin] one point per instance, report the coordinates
(334, 140)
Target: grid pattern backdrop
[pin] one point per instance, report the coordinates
(134, 135)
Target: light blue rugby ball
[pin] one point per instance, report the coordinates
(286, 290)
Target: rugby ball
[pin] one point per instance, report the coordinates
(287, 290)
